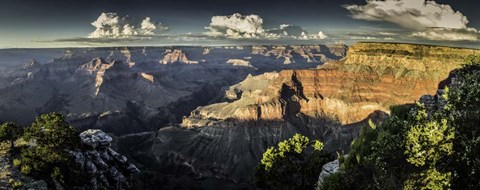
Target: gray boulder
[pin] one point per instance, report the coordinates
(328, 169)
(103, 166)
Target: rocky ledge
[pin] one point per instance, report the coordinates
(102, 165)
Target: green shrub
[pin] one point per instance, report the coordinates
(17, 185)
(10, 132)
(26, 169)
(335, 181)
(17, 162)
(294, 164)
(53, 137)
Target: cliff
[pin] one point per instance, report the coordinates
(373, 77)
(407, 56)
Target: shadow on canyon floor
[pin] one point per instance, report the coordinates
(226, 153)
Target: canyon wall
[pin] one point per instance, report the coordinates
(373, 77)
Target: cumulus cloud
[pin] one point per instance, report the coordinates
(238, 26)
(419, 16)
(111, 25)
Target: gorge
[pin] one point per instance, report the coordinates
(203, 116)
(225, 140)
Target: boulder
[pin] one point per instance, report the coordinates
(102, 165)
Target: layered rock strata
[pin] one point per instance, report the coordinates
(373, 77)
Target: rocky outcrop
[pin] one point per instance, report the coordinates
(239, 62)
(102, 165)
(176, 56)
(148, 77)
(206, 50)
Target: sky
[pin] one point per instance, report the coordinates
(95, 23)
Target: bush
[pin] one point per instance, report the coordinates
(335, 181)
(26, 169)
(52, 138)
(465, 109)
(294, 164)
(419, 148)
(17, 162)
(10, 132)
(17, 185)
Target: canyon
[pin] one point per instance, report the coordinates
(197, 116)
(226, 139)
(125, 90)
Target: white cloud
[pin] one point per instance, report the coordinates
(418, 16)
(448, 34)
(412, 14)
(111, 25)
(387, 34)
(320, 35)
(238, 26)
(364, 38)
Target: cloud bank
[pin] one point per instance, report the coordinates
(238, 26)
(425, 18)
(112, 26)
(294, 32)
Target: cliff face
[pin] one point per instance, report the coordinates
(408, 56)
(347, 96)
(373, 77)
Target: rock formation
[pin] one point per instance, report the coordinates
(176, 56)
(148, 77)
(100, 164)
(239, 62)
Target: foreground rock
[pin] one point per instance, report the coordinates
(102, 165)
(327, 170)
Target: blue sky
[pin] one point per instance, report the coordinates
(67, 23)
